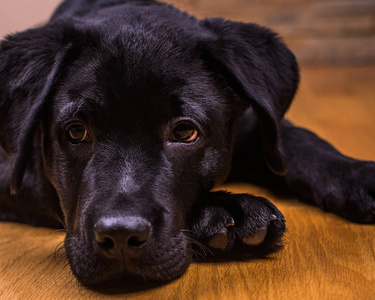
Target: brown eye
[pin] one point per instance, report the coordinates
(184, 133)
(77, 133)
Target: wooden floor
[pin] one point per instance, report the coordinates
(325, 256)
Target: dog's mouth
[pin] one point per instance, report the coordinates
(158, 263)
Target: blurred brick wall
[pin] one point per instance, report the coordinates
(318, 31)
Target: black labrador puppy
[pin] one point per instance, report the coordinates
(119, 116)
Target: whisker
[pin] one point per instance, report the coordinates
(58, 249)
(197, 255)
(62, 223)
(202, 251)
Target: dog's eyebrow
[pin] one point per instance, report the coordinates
(195, 111)
(71, 108)
(77, 108)
(193, 107)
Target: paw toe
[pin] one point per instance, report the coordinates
(219, 240)
(257, 238)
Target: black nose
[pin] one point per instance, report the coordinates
(122, 236)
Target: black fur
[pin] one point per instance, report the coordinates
(133, 198)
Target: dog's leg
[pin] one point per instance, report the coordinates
(318, 173)
(238, 226)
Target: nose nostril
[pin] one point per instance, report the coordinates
(107, 244)
(136, 242)
(121, 236)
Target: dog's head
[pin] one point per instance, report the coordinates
(133, 123)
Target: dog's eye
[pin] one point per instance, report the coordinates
(185, 133)
(77, 133)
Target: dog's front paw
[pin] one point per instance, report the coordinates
(239, 225)
(351, 194)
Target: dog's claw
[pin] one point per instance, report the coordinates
(219, 240)
(255, 239)
(230, 222)
(272, 218)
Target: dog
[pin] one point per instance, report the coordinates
(118, 117)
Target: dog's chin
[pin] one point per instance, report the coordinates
(160, 265)
(137, 277)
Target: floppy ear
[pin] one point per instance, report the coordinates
(29, 66)
(258, 67)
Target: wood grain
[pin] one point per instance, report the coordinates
(325, 256)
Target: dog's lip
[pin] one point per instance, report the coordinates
(166, 267)
(170, 267)
(153, 265)
(130, 273)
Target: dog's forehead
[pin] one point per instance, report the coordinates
(128, 76)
